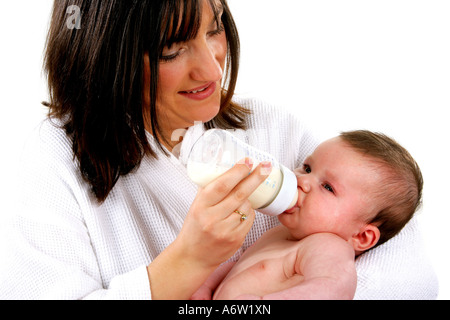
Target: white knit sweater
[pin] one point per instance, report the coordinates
(61, 244)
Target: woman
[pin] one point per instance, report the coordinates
(108, 210)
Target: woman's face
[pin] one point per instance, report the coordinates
(190, 77)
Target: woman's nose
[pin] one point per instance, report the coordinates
(207, 64)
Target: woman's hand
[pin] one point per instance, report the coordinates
(206, 291)
(212, 226)
(211, 234)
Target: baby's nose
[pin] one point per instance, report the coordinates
(304, 183)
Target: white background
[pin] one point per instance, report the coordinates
(381, 65)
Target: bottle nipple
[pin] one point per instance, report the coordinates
(294, 201)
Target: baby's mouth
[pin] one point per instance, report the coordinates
(296, 207)
(292, 210)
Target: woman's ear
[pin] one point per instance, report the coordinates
(367, 238)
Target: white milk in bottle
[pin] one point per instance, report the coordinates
(217, 151)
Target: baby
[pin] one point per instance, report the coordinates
(356, 191)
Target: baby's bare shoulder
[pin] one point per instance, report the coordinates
(325, 239)
(327, 244)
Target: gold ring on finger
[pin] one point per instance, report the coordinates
(243, 215)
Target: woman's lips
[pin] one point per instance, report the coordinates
(200, 93)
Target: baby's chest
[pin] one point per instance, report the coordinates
(262, 272)
(271, 275)
(277, 260)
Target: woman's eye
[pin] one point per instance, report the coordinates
(328, 187)
(171, 55)
(218, 31)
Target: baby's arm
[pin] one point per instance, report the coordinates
(206, 291)
(327, 263)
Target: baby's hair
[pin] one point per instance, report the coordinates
(400, 193)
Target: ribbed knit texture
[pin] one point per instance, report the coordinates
(397, 270)
(61, 244)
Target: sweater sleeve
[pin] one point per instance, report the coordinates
(46, 250)
(54, 260)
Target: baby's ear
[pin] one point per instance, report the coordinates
(367, 238)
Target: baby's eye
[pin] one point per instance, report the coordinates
(328, 187)
(307, 168)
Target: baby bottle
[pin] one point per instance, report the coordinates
(217, 151)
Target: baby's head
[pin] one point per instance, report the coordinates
(399, 194)
(362, 186)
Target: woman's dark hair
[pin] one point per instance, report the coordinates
(96, 73)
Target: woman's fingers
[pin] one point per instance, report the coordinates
(243, 190)
(242, 219)
(218, 189)
(221, 215)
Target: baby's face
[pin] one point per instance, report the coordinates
(334, 188)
